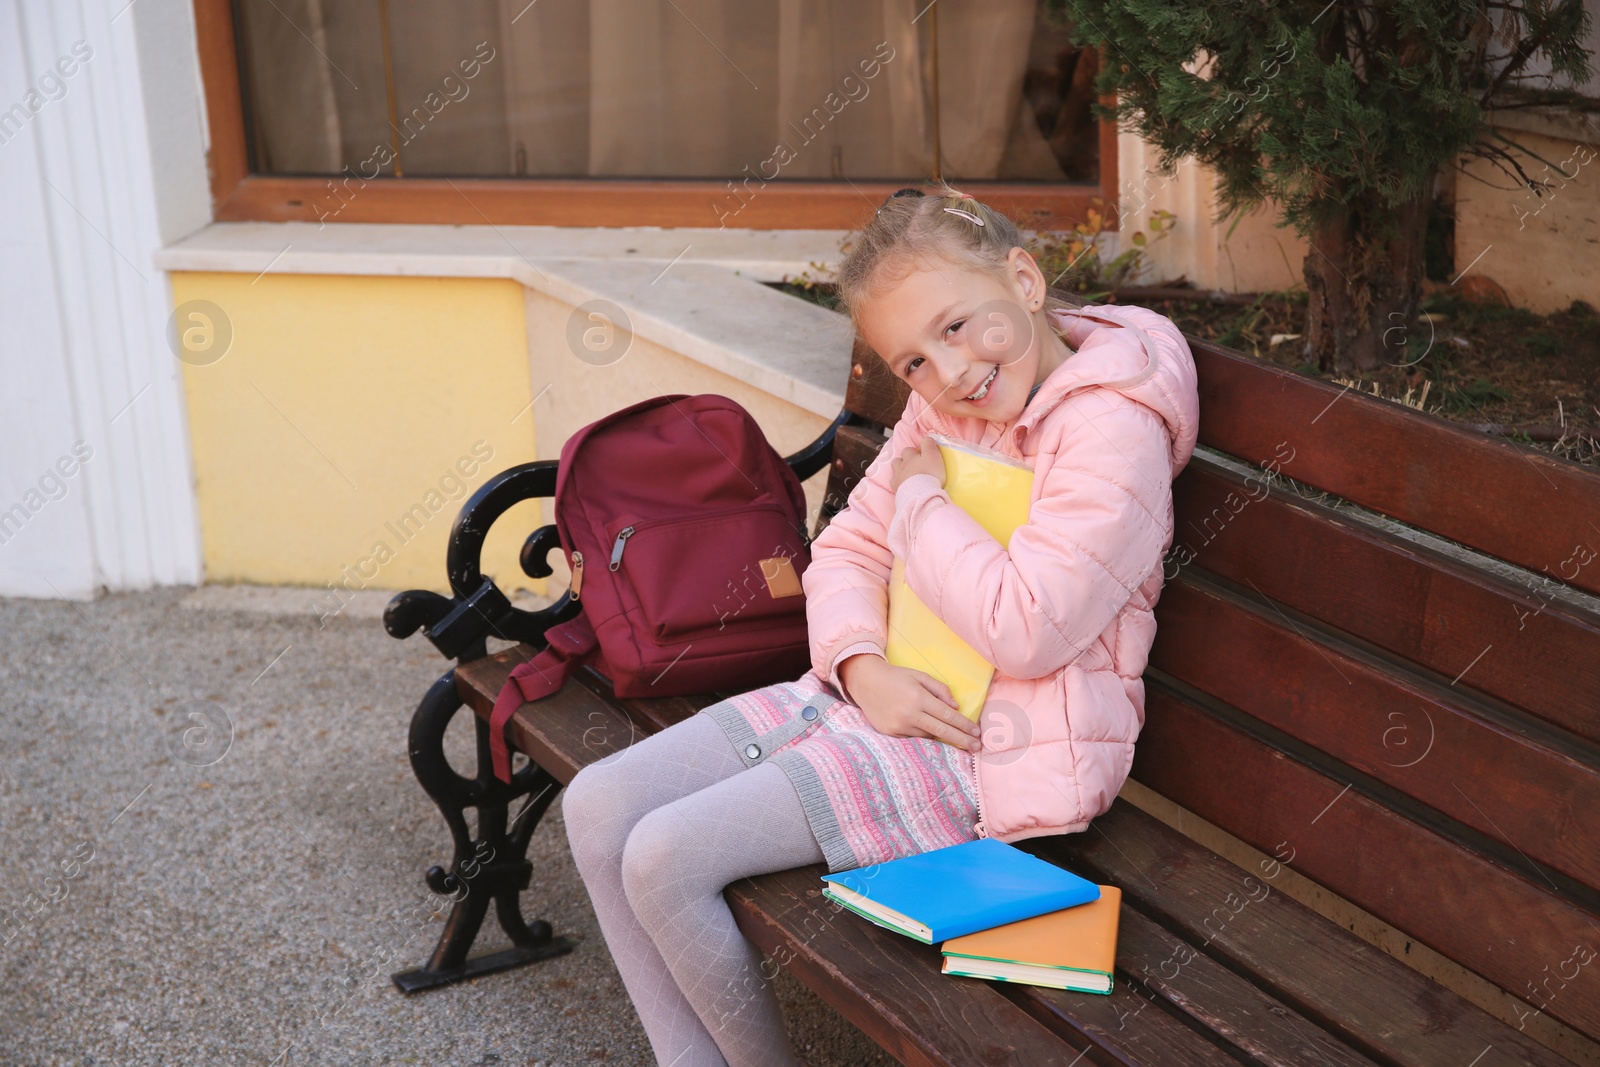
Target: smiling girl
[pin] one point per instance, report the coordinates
(861, 761)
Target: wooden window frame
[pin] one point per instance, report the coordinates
(239, 196)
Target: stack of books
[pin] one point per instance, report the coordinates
(1000, 913)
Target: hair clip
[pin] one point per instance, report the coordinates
(964, 214)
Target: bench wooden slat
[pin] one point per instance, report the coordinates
(854, 449)
(1358, 992)
(1127, 1027)
(1521, 645)
(1269, 1030)
(1419, 735)
(1506, 923)
(1516, 503)
(891, 987)
(873, 391)
(655, 713)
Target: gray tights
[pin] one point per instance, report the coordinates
(657, 830)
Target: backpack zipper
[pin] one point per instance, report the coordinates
(617, 547)
(577, 575)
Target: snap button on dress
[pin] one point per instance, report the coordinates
(753, 751)
(809, 713)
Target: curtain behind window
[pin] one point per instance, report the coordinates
(725, 89)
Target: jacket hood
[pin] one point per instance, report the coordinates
(1138, 352)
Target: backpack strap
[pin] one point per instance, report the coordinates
(570, 645)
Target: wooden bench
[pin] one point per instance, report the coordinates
(1410, 723)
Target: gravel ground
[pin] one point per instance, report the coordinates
(239, 895)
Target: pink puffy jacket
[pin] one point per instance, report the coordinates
(1067, 615)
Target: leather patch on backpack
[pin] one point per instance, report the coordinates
(781, 579)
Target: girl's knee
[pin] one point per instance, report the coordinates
(658, 865)
(596, 821)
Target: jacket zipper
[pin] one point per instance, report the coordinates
(979, 827)
(577, 575)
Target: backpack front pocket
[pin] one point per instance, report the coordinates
(702, 574)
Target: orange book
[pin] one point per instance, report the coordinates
(1074, 948)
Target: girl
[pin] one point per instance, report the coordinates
(860, 761)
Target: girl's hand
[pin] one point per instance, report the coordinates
(927, 460)
(901, 702)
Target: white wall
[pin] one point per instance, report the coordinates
(101, 162)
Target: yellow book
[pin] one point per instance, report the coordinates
(995, 490)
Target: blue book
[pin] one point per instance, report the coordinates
(958, 890)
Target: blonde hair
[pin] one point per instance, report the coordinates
(914, 229)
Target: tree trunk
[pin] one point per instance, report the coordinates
(1364, 286)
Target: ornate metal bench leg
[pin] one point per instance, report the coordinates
(491, 867)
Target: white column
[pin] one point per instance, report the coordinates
(101, 162)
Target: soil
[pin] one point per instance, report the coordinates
(1497, 369)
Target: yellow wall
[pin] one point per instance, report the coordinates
(344, 403)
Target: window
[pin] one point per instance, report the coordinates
(750, 113)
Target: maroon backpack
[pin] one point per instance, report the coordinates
(686, 535)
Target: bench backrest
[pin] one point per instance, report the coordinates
(1408, 722)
